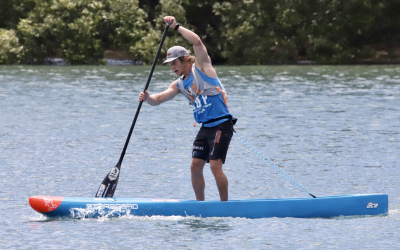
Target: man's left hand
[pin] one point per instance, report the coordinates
(168, 19)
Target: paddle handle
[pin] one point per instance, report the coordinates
(145, 88)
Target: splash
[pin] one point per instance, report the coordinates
(394, 212)
(100, 212)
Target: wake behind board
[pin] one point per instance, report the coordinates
(321, 207)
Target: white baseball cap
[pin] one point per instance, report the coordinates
(175, 52)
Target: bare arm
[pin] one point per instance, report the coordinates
(203, 61)
(157, 99)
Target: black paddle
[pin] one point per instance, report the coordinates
(109, 184)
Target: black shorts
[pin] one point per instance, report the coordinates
(213, 143)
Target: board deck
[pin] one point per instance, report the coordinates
(321, 207)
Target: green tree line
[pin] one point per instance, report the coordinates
(234, 32)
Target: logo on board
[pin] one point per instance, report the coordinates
(372, 205)
(49, 203)
(112, 206)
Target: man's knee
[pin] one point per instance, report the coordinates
(197, 166)
(216, 166)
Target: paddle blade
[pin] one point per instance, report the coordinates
(109, 184)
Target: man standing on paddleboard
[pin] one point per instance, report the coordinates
(199, 83)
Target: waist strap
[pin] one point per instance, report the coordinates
(220, 118)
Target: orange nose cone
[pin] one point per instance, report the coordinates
(45, 204)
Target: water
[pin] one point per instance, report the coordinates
(333, 129)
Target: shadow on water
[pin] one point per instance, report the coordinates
(352, 217)
(211, 225)
(45, 220)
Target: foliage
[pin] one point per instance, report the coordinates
(268, 31)
(11, 11)
(80, 30)
(202, 20)
(251, 32)
(10, 49)
(337, 30)
(66, 28)
(128, 23)
(385, 33)
(234, 31)
(146, 47)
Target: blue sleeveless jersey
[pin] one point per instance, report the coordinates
(206, 107)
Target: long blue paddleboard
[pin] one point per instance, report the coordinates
(321, 207)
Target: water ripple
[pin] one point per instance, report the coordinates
(334, 129)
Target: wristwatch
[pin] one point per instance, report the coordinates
(177, 26)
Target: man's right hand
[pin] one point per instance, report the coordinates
(143, 96)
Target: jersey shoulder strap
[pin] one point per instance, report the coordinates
(186, 92)
(199, 87)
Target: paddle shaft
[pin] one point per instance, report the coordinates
(109, 184)
(145, 88)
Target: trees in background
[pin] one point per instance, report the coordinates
(80, 30)
(146, 47)
(334, 31)
(235, 31)
(10, 48)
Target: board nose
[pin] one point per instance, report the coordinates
(45, 204)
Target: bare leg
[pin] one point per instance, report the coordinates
(220, 178)
(198, 178)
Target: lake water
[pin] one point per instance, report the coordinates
(333, 129)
